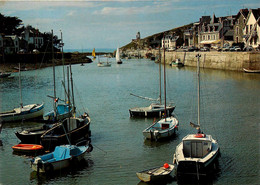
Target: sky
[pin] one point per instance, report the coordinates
(114, 23)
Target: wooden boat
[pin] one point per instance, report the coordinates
(196, 154)
(251, 70)
(77, 129)
(164, 128)
(27, 148)
(118, 60)
(24, 112)
(62, 157)
(33, 135)
(156, 174)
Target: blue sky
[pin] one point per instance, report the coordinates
(113, 23)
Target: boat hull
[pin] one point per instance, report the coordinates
(51, 162)
(155, 174)
(56, 136)
(151, 113)
(15, 115)
(27, 148)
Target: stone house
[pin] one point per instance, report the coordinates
(251, 30)
(239, 25)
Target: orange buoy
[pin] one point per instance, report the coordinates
(199, 135)
(166, 165)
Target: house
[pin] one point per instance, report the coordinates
(239, 25)
(251, 30)
(15, 46)
(9, 47)
(217, 32)
(169, 42)
(33, 37)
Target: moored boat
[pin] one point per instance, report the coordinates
(251, 70)
(196, 154)
(162, 129)
(27, 148)
(118, 59)
(62, 157)
(33, 135)
(75, 128)
(26, 112)
(153, 110)
(156, 174)
(4, 74)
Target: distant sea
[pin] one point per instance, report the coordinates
(91, 49)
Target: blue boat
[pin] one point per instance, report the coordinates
(62, 111)
(62, 157)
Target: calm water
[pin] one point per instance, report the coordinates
(230, 113)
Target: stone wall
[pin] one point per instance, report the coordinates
(214, 59)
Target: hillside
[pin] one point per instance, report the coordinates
(154, 41)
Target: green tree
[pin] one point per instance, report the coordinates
(10, 25)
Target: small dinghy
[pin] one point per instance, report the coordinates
(27, 148)
(155, 174)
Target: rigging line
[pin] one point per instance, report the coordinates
(80, 99)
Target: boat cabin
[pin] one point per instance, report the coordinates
(196, 145)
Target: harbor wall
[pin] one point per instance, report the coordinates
(213, 59)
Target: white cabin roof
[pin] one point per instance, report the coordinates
(194, 138)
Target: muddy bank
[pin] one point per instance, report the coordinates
(9, 63)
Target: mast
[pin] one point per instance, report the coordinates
(53, 67)
(72, 92)
(160, 76)
(164, 77)
(20, 86)
(62, 58)
(198, 73)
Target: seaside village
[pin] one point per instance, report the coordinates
(65, 137)
(210, 32)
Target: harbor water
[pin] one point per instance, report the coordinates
(230, 112)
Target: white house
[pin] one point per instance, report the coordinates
(251, 30)
(33, 36)
(169, 42)
(15, 40)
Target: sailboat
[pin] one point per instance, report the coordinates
(155, 109)
(118, 60)
(167, 126)
(77, 129)
(94, 54)
(197, 152)
(24, 112)
(60, 111)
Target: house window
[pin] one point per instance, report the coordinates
(237, 30)
(250, 28)
(208, 37)
(236, 39)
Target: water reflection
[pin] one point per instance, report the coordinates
(72, 171)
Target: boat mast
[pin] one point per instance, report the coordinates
(72, 93)
(53, 67)
(62, 58)
(160, 76)
(198, 73)
(164, 77)
(20, 86)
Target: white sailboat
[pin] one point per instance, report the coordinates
(118, 60)
(167, 126)
(197, 152)
(24, 112)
